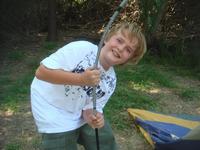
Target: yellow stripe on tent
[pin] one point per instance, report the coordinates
(150, 116)
(147, 136)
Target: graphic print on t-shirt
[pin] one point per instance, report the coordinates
(87, 62)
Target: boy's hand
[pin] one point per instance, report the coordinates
(95, 121)
(90, 77)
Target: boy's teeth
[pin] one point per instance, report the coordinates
(115, 54)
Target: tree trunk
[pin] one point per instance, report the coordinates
(52, 33)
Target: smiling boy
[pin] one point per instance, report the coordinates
(61, 92)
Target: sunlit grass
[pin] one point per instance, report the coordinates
(145, 88)
(132, 91)
(139, 86)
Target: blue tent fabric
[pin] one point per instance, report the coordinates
(167, 132)
(162, 132)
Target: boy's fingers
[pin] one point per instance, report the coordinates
(99, 115)
(92, 76)
(99, 122)
(93, 117)
(99, 125)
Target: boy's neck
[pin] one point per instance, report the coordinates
(105, 67)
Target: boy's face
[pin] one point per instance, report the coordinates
(118, 50)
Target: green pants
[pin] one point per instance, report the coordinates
(85, 136)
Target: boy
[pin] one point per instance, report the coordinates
(61, 92)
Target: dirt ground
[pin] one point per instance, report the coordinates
(19, 128)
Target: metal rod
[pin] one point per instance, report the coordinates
(121, 6)
(97, 138)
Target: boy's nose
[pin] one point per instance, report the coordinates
(121, 48)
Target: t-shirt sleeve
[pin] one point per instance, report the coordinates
(67, 57)
(56, 60)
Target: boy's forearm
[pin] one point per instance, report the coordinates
(57, 76)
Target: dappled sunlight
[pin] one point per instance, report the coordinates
(150, 88)
(100, 30)
(8, 113)
(154, 91)
(17, 127)
(137, 86)
(198, 110)
(41, 34)
(144, 88)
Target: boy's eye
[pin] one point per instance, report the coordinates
(128, 50)
(119, 40)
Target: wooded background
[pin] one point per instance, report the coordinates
(172, 27)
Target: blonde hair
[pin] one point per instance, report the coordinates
(133, 31)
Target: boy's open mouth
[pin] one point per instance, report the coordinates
(115, 53)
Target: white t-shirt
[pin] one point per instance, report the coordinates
(58, 108)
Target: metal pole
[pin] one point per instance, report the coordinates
(121, 6)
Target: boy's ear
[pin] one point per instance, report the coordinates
(104, 42)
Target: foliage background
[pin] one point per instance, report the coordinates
(172, 27)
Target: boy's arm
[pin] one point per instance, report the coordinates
(89, 77)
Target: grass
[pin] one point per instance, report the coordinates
(137, 87)
(16, 79)
(16, 55)
(133, 85)
(15, 90)
(189, 94)
(13, 146)
(21, 144)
